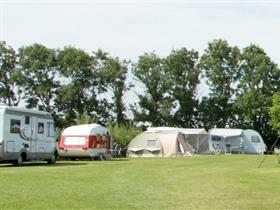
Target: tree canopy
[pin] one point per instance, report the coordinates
(76, 86)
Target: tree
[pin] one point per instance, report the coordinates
(182, 72)
(221, 64)
(78, 91)
(260, 79)
(38, 66)
(112, 77)
(154, 104)
(10, 76)
(275, 112)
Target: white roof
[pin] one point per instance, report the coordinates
(20, 109)
(182, 130)
(225, 132)
(84, 130)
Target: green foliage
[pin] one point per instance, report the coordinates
(10, 76)
(123, 133)
(79, 91)
(259, 81)
(220, 64)
(182, 74)
(84, 118)
(112, 77)
(38, 65)
(275, 112)
(155, 104)
(76, 86)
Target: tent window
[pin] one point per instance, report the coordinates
(255, 139)
(151, 143)
(216, 138)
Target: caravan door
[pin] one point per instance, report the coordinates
(34, 137)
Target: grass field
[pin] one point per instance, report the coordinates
(201, 182)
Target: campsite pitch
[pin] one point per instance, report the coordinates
(201, 182)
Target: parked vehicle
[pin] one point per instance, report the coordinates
(88, 140)
(26, 135)
(225, 140)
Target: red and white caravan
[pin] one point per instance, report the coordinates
(89, 140)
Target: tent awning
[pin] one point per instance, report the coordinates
(174, 129)
(135, 149)
(226, 132)
(153, 149)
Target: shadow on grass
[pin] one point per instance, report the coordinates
(90, 160)
(57, 164)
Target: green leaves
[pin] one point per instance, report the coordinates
(77, 86)
(275, 112)
(9, 76)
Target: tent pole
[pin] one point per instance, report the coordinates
(269, 152)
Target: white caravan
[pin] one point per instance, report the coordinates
(88, 140)
(26, 135)
(223, 140)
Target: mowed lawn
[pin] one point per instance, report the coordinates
(199, 182)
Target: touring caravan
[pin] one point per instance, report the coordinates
(223, 140)
(88, 140)
(159, 144)
(26, 135)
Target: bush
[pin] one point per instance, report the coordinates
(123, 133)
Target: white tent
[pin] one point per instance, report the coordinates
(158, 144)
(195, 137)
(223, 140)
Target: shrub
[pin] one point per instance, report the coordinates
(123, 133)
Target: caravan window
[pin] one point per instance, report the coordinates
(216, 138)
(41, 128)
(15, 126)
(50, 129)
(255, 139)
(151, 143)
(27, 120)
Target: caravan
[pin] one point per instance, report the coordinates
(224, 140)
(88, 140)
(26, 135)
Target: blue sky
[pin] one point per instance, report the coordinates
(129, 28)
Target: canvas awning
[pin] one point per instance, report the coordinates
(153, 149)
(225, 132)
(136, 149)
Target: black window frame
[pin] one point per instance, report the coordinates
(41, 125)
(13, 128)
(27, 120)
(216, 138)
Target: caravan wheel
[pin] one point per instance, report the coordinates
(53, 159)
(19, 161)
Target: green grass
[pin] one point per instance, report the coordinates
(201, 182)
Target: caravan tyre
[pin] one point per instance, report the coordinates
(19, 161)
(53, 159)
